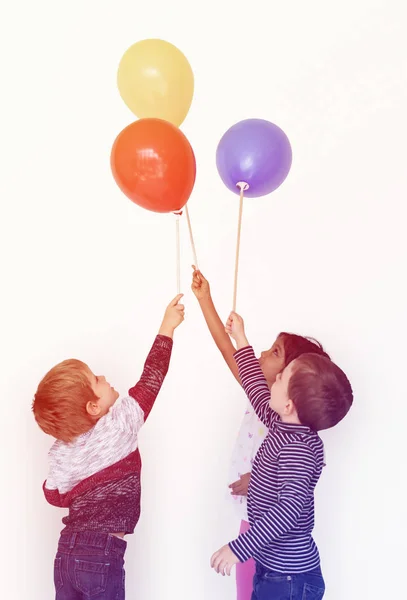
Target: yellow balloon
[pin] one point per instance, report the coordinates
(156, 80)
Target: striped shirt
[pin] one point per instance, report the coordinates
(97, 475)
(281, 492)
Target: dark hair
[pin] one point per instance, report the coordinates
(320, 390)
(295, 345)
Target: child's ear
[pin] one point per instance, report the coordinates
(290, 408)
(93, 409)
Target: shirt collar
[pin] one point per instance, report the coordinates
(290, 427)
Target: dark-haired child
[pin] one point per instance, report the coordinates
(311, 394)
(285, 348)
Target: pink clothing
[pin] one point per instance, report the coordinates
(245, 572)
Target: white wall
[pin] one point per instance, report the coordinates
(86, 273)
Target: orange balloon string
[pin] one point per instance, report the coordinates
(178, 250)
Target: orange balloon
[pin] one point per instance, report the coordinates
(154, 165)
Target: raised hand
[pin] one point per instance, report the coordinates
(174, 315)
(200, 286)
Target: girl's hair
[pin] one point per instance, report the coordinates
(295, 345)
(60, 401)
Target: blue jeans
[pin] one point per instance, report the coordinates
(89, 566)
(270, 585)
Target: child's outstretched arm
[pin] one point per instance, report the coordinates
(201, 289)
(156, 366)
(253, 381)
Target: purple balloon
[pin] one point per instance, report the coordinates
(257, 152)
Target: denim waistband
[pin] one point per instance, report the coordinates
(96, 540)
(261, 571)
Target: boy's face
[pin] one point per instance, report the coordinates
(279, 400)
(272, 361)
(104, 391)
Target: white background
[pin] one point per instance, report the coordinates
(86, 273)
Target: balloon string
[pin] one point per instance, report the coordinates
(191, 237)
(239, 227)
(178, 255)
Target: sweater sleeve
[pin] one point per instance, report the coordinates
(155, 369)
(296, 467)
(255, 385)
(52, 496)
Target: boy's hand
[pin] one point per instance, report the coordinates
(241, 486)
(174, 315)
(223, 560)
(235, 328)
(200, 286)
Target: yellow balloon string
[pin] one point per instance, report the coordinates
(191, 236)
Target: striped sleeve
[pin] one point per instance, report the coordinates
(155, 369)
(255, 385)
(296, 468)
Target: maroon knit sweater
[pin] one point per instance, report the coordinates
(107, 498)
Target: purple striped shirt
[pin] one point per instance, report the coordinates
(281, 492)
